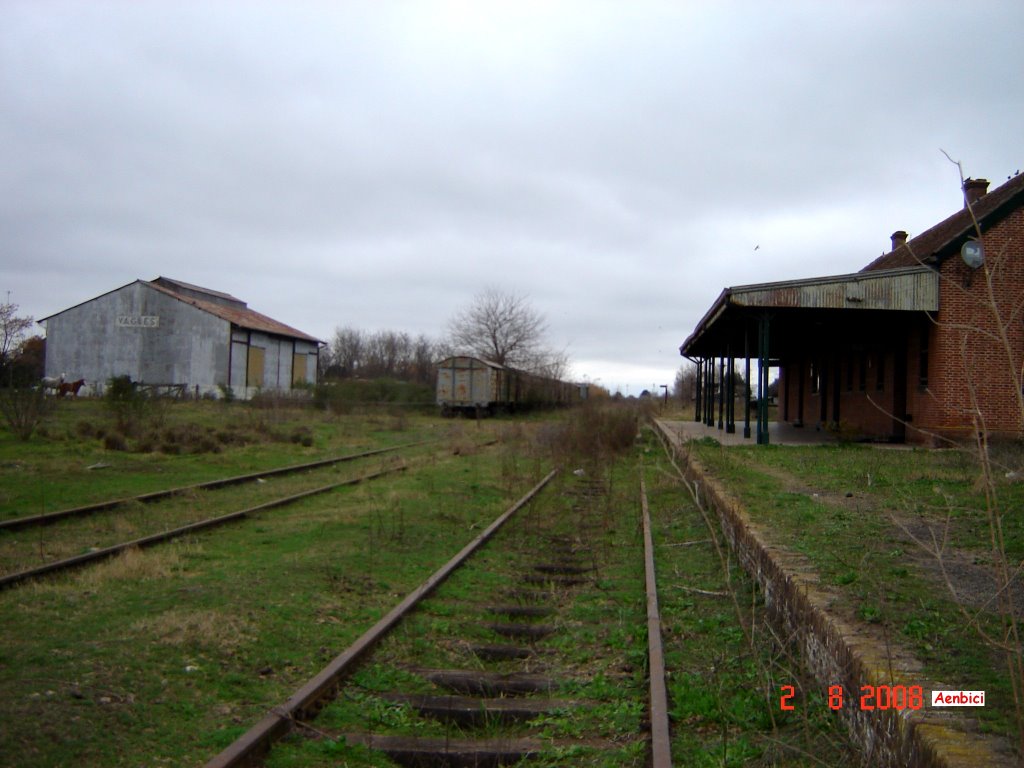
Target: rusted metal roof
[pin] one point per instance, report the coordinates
(242, 316)
(237, 313)
(912, 289)
(217, 296)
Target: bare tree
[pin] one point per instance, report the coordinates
(354, 353)
(386, 353)
(501, 327)
(550, 363)
(424, 354)
(684, 388)
(12, 332)
(346, 351)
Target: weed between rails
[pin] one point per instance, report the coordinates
(166, 655)
(192, 642)
(596, 654)
(724, 691)
(724, 677)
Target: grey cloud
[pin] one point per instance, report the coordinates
(376, 165)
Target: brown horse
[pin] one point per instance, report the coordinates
(70, 388)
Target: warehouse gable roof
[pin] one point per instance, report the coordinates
(217, 297)
(241, 316)
(222, 305)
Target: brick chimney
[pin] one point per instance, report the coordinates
(899, 237)
(974, 190)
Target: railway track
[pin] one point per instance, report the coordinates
(69, 563)
(23, 551)
(497, 655)
(49, 518)
(532, 646)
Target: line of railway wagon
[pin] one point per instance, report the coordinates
(473, 386)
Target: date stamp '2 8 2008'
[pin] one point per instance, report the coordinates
(889, 697)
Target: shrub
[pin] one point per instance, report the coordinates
(126, 403)
(592, 432)
(302, 436)
(342, 396)
(115, 441)
(25, 409)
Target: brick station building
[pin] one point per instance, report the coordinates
(924, 343)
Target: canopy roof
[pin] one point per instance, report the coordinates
(796, 306)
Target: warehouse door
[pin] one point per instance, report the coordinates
(254, 371)
(299, 369)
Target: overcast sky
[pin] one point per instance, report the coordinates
(375, 164)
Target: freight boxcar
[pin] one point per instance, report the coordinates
(471, 385)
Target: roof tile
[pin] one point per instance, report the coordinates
(932, 242)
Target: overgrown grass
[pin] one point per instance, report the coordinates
(725, 693)
(346, 396)
(855, 512)
(723, 680)
(69, 464)
(165, 656)
(596, 654)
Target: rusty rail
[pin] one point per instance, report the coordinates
(249, 748)
(147, 541)
(661, 742)
(18, 523)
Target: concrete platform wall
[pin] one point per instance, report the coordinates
(840, 652)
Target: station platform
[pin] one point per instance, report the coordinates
(779, 433)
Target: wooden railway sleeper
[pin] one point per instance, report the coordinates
(477, 711)
(257, 741)
(474, 701)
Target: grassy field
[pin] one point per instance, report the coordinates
(163, 657)
(72, 461)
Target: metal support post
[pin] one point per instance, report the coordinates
(764, 329)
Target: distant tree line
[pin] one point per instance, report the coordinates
(352, 353)
(497, 325)
(685, 386)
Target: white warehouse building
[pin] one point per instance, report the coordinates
(165, 332)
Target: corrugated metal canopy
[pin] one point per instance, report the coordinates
(797, 306)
